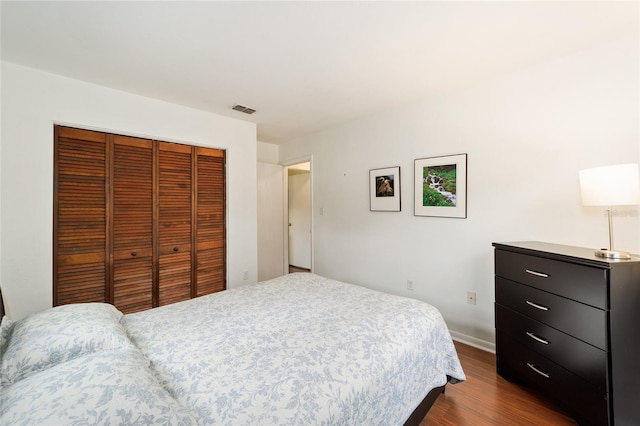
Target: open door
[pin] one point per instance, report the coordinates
(299, 232)
(270, 221)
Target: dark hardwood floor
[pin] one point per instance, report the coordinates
(487, 399)
(296, 269)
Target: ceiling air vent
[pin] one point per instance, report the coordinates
(244, 109)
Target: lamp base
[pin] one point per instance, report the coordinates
(610, 254)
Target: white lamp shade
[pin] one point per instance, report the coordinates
(610, 185)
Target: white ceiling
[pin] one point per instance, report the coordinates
(304, 66)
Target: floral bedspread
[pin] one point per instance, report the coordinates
(297, 350)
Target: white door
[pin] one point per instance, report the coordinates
(300, 218)
(270, 223)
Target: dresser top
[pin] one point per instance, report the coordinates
(561, 252)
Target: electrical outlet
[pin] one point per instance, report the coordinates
(471, 297)
(245, 275)
(409, 285)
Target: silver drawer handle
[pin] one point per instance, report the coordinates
(533, 367)
(537, 274)
(537, 339)
(535, 305)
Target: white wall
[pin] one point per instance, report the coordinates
(527, 135)
(268, 153)
(32, 101)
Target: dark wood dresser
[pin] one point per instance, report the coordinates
(568, 325)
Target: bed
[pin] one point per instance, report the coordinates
(300, 349)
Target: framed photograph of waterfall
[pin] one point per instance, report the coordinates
(441, 186)
(384, 189)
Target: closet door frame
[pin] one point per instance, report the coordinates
(109, 250)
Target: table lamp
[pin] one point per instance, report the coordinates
(610, 186)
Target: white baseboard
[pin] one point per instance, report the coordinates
(473, 341)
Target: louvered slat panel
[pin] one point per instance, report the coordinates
(132, 286)
(132, 223)
(211, 262)
(211, 271)
(175, 277)
(81, 282)
(174, 222)
(80, 228)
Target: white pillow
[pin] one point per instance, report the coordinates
(105, 388)
(59, 334)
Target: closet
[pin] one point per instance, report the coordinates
(137, 223)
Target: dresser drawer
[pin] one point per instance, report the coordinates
(579, 320)
(586, 403)
(582, 359)
(585, 284)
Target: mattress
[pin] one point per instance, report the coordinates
(299, 349)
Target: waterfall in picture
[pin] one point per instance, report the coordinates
(439, 186)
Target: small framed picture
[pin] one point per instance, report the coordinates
(384, 189)
(441, 186)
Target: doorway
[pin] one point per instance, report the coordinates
(298, 253)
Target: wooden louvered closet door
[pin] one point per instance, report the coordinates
(210, 244)
(80, 250)
(175, 222)
(132, 223)
(137, 223)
